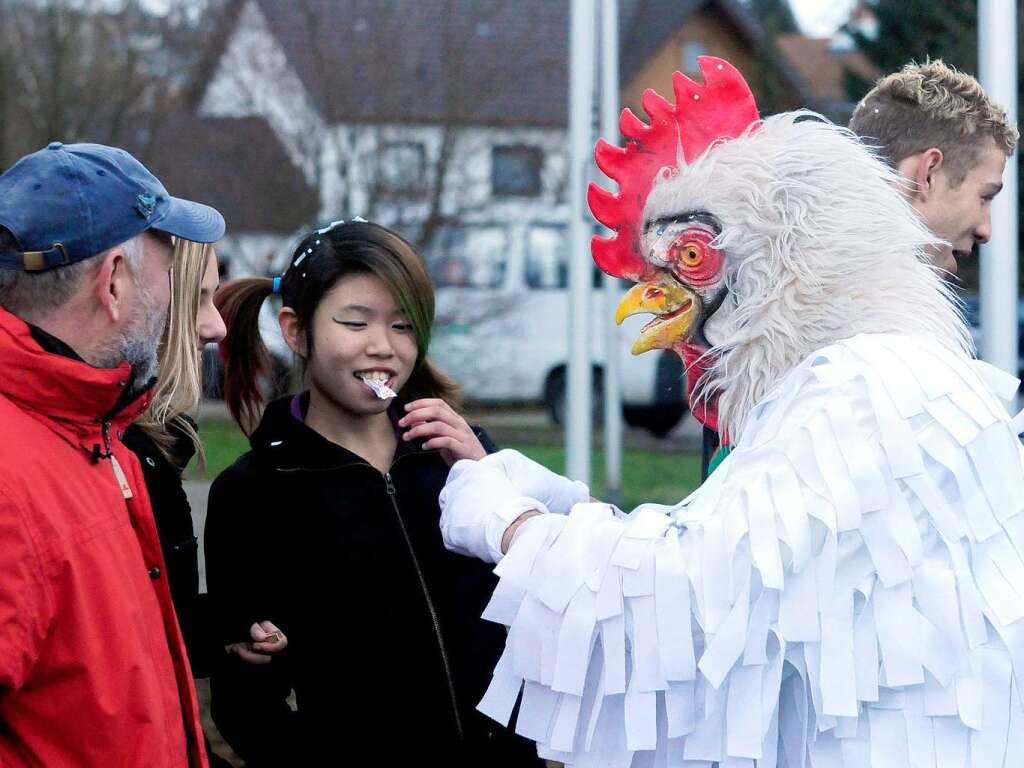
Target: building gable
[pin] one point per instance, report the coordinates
(254, 78)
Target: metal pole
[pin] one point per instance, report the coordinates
(612, 373)
(581, 105)
(997, 69)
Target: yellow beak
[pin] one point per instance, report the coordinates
(675, 308)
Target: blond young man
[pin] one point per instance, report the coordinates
(942, 132)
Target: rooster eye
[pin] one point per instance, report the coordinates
(689, 253)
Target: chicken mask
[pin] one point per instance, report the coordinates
(754, 242)
(674, 259)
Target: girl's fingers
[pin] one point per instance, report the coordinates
(443, 428)
(430, 413)
(423, 402)
(430, 429)
(457, 448)
(246, 654)
(266, 638)
(443, 443)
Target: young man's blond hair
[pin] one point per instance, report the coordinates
(932, 105)
(941, 131)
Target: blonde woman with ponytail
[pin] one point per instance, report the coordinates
(165, 440)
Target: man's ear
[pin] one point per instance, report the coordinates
(291, 329)
(113, 282)
(921, 169)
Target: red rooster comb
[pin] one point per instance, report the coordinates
(722, 108)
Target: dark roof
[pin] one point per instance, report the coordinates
(236, 165)
(481, 62)
(652, 22)
(486, 62)
(821, 68)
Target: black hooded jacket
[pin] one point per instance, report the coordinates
(173, 517)
(387, 655)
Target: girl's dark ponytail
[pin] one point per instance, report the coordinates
(246, 358)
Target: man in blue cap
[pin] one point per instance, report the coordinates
(93, 670)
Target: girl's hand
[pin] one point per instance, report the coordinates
(433, 420)
(267, 640)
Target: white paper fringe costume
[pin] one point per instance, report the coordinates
(847, 589)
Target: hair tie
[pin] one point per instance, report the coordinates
(276, 288)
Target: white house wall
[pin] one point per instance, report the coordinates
(254, 79)
(350, 151)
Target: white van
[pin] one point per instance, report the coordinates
(502, 324)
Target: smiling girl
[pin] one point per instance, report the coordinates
(337, 501)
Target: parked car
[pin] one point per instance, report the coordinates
(502, 325)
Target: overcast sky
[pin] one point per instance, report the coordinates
(819, 18)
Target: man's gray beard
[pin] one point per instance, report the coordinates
(138, 343)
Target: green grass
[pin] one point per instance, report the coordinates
(664, 478)
(223, 443)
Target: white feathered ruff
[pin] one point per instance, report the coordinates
(846, 590)
(820, 245)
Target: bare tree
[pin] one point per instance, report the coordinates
(90, 70)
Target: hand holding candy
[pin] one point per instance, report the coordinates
(433, 420)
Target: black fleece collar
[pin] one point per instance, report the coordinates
(52, 344)
(288, 443)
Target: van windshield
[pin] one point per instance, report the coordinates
(547, 267)
(468, 255)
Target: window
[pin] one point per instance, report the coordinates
(468, 256)
(689, 59)
(515, 171)
(403, 164)
(546, 264)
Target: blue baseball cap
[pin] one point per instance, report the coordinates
(70, 202)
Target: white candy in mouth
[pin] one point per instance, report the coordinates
(380, 388)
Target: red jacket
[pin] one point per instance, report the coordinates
(93, 670)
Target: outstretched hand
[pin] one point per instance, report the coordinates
(267, 640)
(433, 420)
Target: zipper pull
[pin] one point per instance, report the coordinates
(97, 454)
(115, 465)
(106, 438)
(122, 480)
(388, 484)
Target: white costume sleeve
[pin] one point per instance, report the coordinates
(482, 498)
(558, 494)
(846, 590)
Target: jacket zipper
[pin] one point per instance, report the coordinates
(115, 465)
(390, 486)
